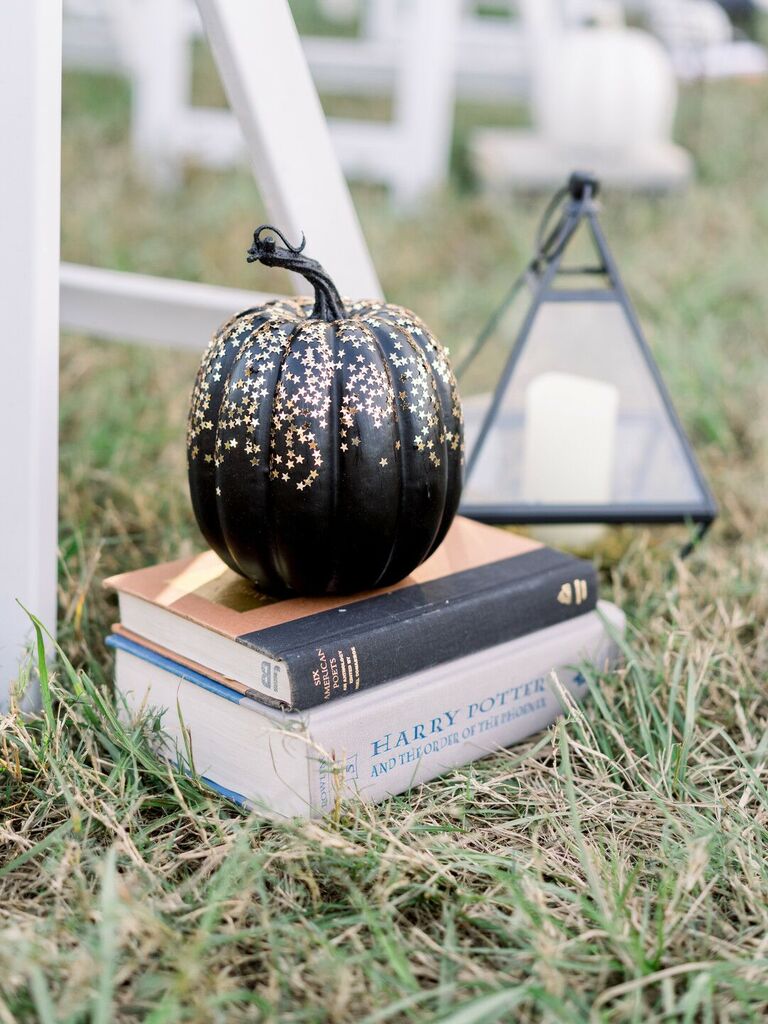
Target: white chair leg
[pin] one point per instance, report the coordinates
(30, 181)
(160, 54)
(424, 96)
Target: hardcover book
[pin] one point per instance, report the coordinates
(482, 587)
(379, 742)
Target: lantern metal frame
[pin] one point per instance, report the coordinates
(576, 205)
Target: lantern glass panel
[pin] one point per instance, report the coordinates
(582, 420)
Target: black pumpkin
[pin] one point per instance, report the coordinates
(324, 442)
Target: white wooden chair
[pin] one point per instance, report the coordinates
(409, 154)
(301, 194)
(421, 53)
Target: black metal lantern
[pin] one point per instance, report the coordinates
(574, 423)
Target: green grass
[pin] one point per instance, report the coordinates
(612, 869)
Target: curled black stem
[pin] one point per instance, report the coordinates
(328, 305)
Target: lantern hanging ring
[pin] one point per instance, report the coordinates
(581, 187)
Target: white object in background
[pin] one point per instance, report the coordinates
(90, 37)
(162, 77)
(410, 154)
(339, 10)
(425, 97)
(700, 40)
(598, 89)
(602, 13)
(689, 23)
(569, 448)
(490, 58)
(613, 89)
(30, 119)
(117, 306)
(604, 97)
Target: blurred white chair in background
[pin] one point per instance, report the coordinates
(490, 59)
(339, 10)
(603, 98)
(599, 13)
(700, 39)
(91, 37)
(153, 40)
(408, 50)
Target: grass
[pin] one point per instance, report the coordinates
(612, 869)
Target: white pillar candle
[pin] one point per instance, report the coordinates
(569, 448)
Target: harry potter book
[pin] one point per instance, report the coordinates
(376, 743)
(482, 587)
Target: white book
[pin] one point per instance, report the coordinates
(379, 742)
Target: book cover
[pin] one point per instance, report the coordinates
(379, 742)
(482, 587)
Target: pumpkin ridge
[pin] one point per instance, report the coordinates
(201, 440)
(334, 467)
(397, 417)
(275, 556)
(444, 380)
(397, 412)
(418, 350)
(254, 334)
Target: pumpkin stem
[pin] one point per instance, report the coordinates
(328, 305)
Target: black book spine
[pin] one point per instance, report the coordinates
(346, 659)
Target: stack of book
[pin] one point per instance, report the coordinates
(291, 704)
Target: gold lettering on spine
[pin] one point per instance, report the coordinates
(336, 672)
(356, 676)
(573, 593)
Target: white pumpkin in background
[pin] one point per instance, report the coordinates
(598, 89)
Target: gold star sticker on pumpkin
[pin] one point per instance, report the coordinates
(383, 462)
(344, 447)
